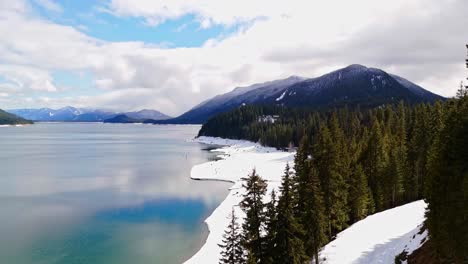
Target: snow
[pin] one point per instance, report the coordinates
(380, 237)
(376, 239)
(281, 96)
(239, 157)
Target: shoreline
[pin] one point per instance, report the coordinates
(237, 159)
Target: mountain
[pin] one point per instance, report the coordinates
(352, 85)
(228, 101)
(122, 119)
(147, 114)
(93, 116)
(72, 114)
(11, 119)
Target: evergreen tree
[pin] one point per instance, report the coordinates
(313, 218)
(301, 179)
(375, 163)
(447, 215)
(289, 248)
(333, 167)
(254, 208)
(232, 251)
(271, 226)
(360, 195)
(399, 170)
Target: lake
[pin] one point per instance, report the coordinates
(102, 193)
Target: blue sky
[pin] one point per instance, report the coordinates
(92, 19)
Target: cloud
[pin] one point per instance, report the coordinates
(50, 5)
(208, 12)
(419, 40)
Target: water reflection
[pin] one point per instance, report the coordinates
(97, 193)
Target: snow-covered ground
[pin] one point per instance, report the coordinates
(378, 238)
(375, 239)
(11, 125)
(238, 159)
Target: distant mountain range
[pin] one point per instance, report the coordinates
(352, 85)
(73, 114)
(11, 119)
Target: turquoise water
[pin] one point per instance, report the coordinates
(102, 193)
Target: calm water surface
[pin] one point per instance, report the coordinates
(102, 193)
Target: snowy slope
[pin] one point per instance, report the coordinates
(379, 237)
(375, 239)
(238, 159)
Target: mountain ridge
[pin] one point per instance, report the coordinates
(352, 85)
(73, 114)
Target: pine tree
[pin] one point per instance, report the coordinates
(313, 218)
(448, 190)
(254, 208)
(399, 159)
(232, 251)
(375, 163)
(332, 161)
(301, 179)
(271, 226)
(360, 195)
(289, 248)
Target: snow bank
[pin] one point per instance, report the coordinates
(375, 239)
(379, 238)
(238, 158)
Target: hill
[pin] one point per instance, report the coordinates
(122, 119)
(353, 85)
(11, 119)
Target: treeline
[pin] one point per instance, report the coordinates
(388, 144)
(351, 163)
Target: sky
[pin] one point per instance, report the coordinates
(170, 55)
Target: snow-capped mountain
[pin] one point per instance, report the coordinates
(352, 85)
(231, 100)
(73, 114)
(47, 114)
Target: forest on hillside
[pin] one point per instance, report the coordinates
(350, 163)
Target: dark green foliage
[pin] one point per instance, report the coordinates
(360, 198)
(288, 246)
(271, 221)
(331, 161)
(11, 119)
(447, 190)
(313, 217)
(254, 224)
(232, 251)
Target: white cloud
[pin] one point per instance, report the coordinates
(419, 40)
(50, 5)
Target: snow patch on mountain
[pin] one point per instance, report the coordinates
(281, 96)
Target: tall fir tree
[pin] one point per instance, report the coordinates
(301, 179)
(271, 220)
(254, 225)
(313, 218)
(375, 163)
(330, 157)
(360, 195)
(399, 170)
(232, 250)
(289, 248)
